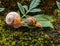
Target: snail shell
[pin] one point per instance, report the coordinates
(10, 17)
(31, 21)
(14, 19)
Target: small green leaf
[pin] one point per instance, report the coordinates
(58, 4)
(49, 18)
(35, 10)
(43, 17)
(2, 9)
(44, 20)
(46, 24)
(21, 8)
(26, 7)
(34, 3)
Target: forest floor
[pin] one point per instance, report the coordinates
(22, 36)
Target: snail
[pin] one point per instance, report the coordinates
(31, 21)
(14, 20)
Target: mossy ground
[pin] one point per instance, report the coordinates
(27, 37)
(24, 37)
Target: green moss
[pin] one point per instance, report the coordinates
(12, 37)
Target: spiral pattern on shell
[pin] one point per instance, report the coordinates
(14, 19)
(31, 21)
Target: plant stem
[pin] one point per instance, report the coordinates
(26, 13)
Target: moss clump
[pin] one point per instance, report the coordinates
(17, 37)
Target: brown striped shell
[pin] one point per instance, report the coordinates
(31, 21)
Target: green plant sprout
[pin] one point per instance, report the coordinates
(31, 8)
(58, 5)
(45, 20)
(2, 9)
